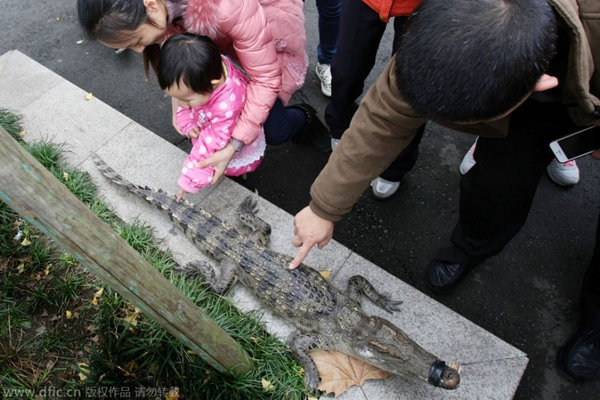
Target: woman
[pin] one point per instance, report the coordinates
(267, 39)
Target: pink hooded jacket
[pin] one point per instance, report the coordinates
(268, 39)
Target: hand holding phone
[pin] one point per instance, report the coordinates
(577, 144)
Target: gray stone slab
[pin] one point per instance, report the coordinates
(65, 115)
(23, 81)
(491, 368)
(4, 58)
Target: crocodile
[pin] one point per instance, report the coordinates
(325, 317)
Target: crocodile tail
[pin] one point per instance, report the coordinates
(111, 173)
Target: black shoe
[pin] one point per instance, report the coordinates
(313, 133)
(579, 359)
(443, 276)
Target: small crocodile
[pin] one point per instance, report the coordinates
(325, 317)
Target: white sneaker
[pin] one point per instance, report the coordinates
(334, 143)
(468, 161)
(324, 73)
(566, 174)
(382, 189)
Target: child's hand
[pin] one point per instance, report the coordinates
(194, 133)
(180, 194)
(219, 161)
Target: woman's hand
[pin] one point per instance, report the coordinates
(219, 161)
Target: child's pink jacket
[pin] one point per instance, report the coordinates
(216, 120)
(268, 39)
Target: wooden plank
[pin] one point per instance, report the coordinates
(32, 191)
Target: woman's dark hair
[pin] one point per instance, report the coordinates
(471, 60)
(191, 60)
(113, 21)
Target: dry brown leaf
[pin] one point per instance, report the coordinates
(339, 371)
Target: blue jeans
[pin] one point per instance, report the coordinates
(283, 123)
(329, 26)
(361, 30)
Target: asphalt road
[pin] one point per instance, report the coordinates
(527, 295)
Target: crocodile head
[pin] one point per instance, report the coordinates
(390, 349)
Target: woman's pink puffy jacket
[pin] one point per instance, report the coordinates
(266, 37)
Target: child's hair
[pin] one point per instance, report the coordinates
(188, 59)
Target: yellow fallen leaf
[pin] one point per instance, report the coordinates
(58, 18)
(89, 96)
(47, 270)
(83, 367)
(173, 394)
(325, 274)
(79, 41)
(21, 268)
(191, 352)
(69, 314)
(267, 386)
(66, 176)
(22, 134)
(311, 398)
(132, 366)
(25, 242)
(97, 296)
(132, 318)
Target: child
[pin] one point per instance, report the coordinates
(211, 93)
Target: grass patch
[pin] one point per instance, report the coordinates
(62, 328)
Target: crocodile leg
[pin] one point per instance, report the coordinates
(303, 344)
(219, 285)
(358, 285)
(261, 231)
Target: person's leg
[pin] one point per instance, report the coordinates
(388, 183)
(360, 33)
(496, 194)
(590, 290)
(298, 123)
(405, 161)
(329, 26)
(283, 123)
(579, 358)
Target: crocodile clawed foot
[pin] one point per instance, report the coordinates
(195, 269)
(312, 381)
(248, 206)
(390, 305)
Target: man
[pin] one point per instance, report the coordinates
(518, 73)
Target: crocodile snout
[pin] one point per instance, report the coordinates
(447, 377)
